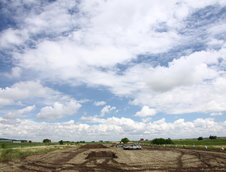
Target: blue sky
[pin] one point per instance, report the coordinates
(103, 70)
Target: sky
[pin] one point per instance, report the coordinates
(107, 69)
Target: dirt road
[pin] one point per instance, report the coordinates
(108, 159)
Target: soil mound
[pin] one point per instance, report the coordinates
(101, 154)
(92, 146)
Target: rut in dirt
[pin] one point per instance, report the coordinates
(43, 166)
(40, 166)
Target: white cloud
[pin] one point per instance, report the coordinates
(56, 104)
(20, 112)
(90, 43)
(216, 114)
(10, 37)
(29, 90)
(105, 39)
(106, 109)
(145, 112)
(205, 98)
(58, 110)
(24, 90)
(99, 103)
(15, 73)
(185, 71)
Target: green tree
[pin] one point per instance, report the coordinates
(125, 140)
(160, 141)
(168, 141)
(46, 141)
(200, 138)
(212, 137)
(61, 142)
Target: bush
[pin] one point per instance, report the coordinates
(61, 142)
(212, 137)
(3, 145)
(46, 141)
(124, 140)
(160, 141)
(200, 138)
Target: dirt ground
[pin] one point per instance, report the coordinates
(98, 158)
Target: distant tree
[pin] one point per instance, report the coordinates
(160, 141)
(124, 140)
(168, 141)
(200, 138)
(61, 142)
(212, 137)
(30, 141)
(46, 141)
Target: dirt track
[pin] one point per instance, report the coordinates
(100, 158)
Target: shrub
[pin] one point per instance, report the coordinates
(61, 142)
(212, 137)
(46, 141)
(3, 145)
(160, 141)
(200, 138)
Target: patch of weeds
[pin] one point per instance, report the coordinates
(9, 154)
(3, 146)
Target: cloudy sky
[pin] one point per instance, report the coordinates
(107, 69)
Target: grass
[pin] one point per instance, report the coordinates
(18, 152)
(191, 142)
(208, 142)
(212, 144)
(15, 145)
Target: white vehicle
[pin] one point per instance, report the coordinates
(132, 147)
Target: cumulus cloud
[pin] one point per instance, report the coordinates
(106, 109)
(58, 110)
(103, 129)
(10, 37)
(198, 98)
(24, 90)
(216, 114)
(99, 103)
(94, 45)
(15, 73)
(29, 90)
(56, 104)
(20, 112)
(145, 112)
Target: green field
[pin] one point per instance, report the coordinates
(17, 145)
(218, 141)
(19, 150)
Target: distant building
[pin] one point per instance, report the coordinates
(3, 140)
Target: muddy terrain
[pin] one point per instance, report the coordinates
(101, 158)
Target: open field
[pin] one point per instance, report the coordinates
(97, 157)
(33, 144)
(211, 144)
(218, 141)
(20, 152)
(208, 142)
